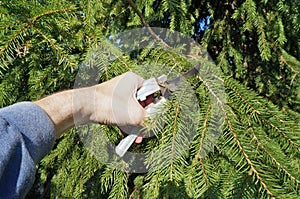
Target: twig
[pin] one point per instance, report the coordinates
(146, 24)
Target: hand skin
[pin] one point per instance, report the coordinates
(112, 102)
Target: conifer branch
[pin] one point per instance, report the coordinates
(283, 58)
(57, 48)
(30, 24)
(263, 44)
(241, 192)
(174, 130)
(205, 126)
(10, 24)
(261, 145)
(89, 14)
(49, 13)
(213, 93)
(13, 38)
(156, 37)
(282, 133)
(257, 112)
(192, 170)
(204, 173)
(247, 158)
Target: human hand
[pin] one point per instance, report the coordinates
(115, 101)
(117, 98)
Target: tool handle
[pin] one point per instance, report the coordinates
(126, 142)
(149, 87)
(124, 145)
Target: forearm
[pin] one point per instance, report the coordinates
(61, 108)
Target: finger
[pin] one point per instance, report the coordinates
(132, 76)
(140, 81)
(139, 139)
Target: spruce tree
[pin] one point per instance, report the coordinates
(255, 45)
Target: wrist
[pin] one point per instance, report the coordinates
(82, 105)
(98, 106)
(67, 108)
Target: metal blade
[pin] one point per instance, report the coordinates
(173, 83)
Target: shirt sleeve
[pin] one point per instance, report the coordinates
(26, 136)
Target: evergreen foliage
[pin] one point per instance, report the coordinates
(256, 46)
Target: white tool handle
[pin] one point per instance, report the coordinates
(149, 87)
(124, 145)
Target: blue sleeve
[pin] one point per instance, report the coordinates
(26, 136)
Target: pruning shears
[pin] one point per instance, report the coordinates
(152, 96)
